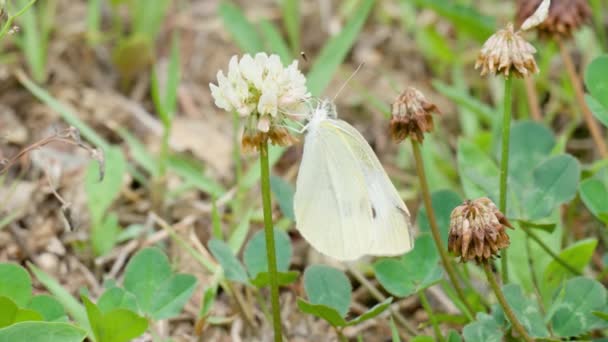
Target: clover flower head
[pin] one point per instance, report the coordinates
(477, 230)
(264, 92)
(412, 116)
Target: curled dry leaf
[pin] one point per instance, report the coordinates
(539, 16)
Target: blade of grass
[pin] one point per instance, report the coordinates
(336, 49)
(31, 42)
(241, 29)
(291, 20)
(275, 42)
(93, 21)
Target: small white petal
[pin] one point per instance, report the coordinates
(268, 103)
(264, 124)
(540, 15)
(220, 99)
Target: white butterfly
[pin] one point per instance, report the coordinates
(345, 204)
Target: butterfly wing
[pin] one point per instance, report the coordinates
(345, 204)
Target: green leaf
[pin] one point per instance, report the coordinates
(422, 338)
(275, 42)
(42, 332)
(9, 311)
(15, 283)
(331, 315)
(291, 20)
(595, 79)
(171, 296)
(577, 255)
(530, 144)
(50, 309)
(599, 111)
(118, 325)
(335, 50)
(479, 173)
(444, 201)
(394, 331)
(526, 310)
(233, 269)
(413, 272)
(164, 94)
(117, 298)
(72, 306)
(571, 313)
(453, 337)
(147, 270)
(328, 286)
(101, 194)
(192, 172)
(242, 31)
(283, 193)
(466, 101)
(239, 234)
(595, 196)
(466, 18)
(262, 279)
(160, 293)
(372, 313)
(254, 255)
(485, 329)
(105, 234)
(555, 182)
(147, 19)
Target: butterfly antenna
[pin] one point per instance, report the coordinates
(348, 80)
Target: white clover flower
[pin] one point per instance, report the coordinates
(261, 89)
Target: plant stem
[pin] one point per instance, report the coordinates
(504, 165)
(429, 311)
(269, 234)
(505, 306)
(426, 195)
(579, 93)
(548, 250)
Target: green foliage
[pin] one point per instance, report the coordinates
(15, 284)
(329, 294)
(242, 31)
(413, 272)
(283, 193)
(7, 23)
(42, 332)
(160, 293)
(443, 201)
(101, 195)
(577, 256)
(596, 81)
(335, 50)
(594, 194)
(525, 310)
(117, 325)
(485, 328)
(254, 257)
(571, 313)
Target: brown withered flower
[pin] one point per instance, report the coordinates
(565, 16)
(507, 52)
(412, 115)
(477, 230)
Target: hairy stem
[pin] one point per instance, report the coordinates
(445, 259)
(269, 234)
(523, 334)
(504, 165)
(594, 129)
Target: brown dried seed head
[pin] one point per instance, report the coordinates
(412, 116)
(507, 52)
(277, 135)
(477, 230)
(565, 16)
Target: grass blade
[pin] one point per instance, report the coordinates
(241, 29)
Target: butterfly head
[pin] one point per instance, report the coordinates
(322, 110)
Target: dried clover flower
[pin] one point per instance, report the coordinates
(565, 16)
(507, 52)
(477, 230)
(412, 115)
(264, 92)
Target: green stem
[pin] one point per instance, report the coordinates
(548, 250)
(505, 305)
(429, 311)
(426, 195)
(269, 234)
(504, 165)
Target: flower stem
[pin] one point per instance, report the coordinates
(269, 234)
(579, 93)
(429, 311)
(426, 195)
(504, 165)
(532, 95)
(548, 250)
(505, 306)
